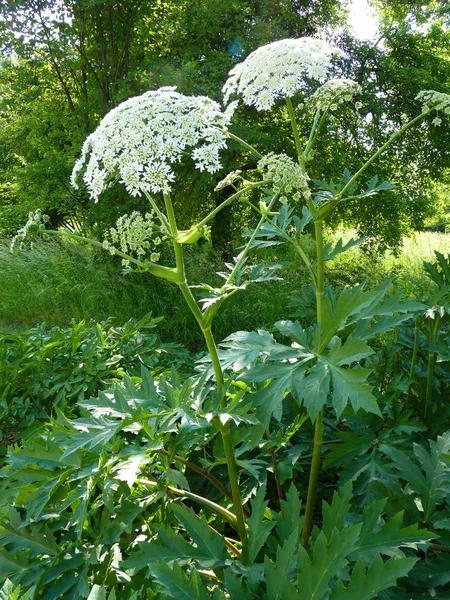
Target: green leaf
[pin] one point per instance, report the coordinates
(235, 587)
(12, 565)
(351, 351)
(366, 584)
(389, 538)
(208, 541)
(292, 518)
(101, 432)
(333, 515)
(350, 384)
(329, 252)
(9, 591)
(315, 388)
(328, 558)
(98, 592)
(17, 537)
(177, 584)
(258, 528)
(277, 574)
(352, 446)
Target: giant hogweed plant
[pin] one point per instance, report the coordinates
(103, 506)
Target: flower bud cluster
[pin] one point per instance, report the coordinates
(135, 235)
(279, 70)
(333, 93)
(230, 179)
(139, 141)
(288, 177)
(437, 101)
(33, 227)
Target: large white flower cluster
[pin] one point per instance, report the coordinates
(288, 178)
(139, 141)
(279, 70)
(334, 92)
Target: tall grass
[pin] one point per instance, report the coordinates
(59, 282)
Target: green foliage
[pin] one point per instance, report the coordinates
(71, 496)
(47, 368)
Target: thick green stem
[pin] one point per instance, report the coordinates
(234, 481)
(413, 363)
(319, 429)
(313, 479)
(430, 370)
(209, 339)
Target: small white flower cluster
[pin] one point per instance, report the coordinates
(333, 93)
(279, 70)
(35, 225)
(140, 140)
(288, 178)
(134, 235)
(437, 101)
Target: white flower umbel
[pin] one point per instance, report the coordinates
(279, 70)
(139, 141)
(288, 178)
(434, 101)
(135, 235)
(334, 92)
(35, 225)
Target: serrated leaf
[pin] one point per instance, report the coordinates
(128, 469)
(352, 445)
(208, 541)
(258, 528)
(9, 591)
(329, 557)
(351, 351)
(12, 565)
(389, 538)
(102, 431)
(235, 588)
(292, 518)
(350, 384)
(333, 515)
(366, 584)
(177, 584)
(315, 388)
(244, 347)
(277, 574)
(16, 537)
(329, 252)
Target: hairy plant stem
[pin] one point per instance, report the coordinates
(319, 429)
(212, 349)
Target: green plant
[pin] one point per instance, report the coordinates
(117, 463)
(47, 368)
